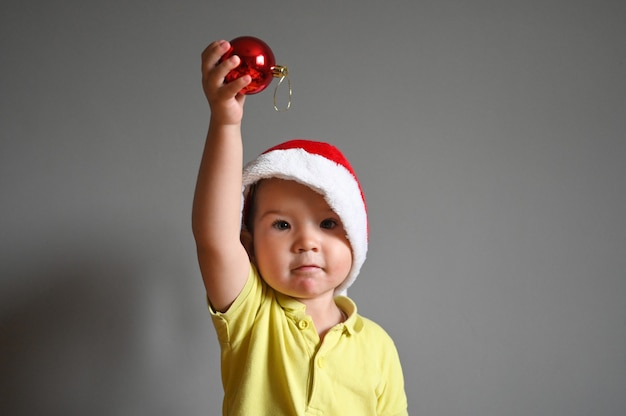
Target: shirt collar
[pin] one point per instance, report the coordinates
(353, 323)
(296, 309)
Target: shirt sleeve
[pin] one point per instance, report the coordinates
(392, 399)
(233, 324)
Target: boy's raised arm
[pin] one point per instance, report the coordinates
(216, 219)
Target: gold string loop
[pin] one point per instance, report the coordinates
(282, 73)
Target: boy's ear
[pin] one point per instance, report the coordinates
(246, 240)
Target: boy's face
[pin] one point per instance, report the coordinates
(299, 243)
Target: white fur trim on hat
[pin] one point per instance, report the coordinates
(330, 178)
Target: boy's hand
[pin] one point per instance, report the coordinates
(224, 99)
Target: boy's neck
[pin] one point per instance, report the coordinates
(324, 312)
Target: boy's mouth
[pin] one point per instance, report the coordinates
(307, 268)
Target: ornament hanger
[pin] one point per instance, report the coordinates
(281, 72)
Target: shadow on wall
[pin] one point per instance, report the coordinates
(66, 333)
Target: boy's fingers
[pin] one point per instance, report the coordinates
(233, 88)
(214, 71)
(223, 68)
(237, 85)
(218, 45)
(214, 78)
(212, 54)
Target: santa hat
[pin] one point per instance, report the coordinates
(323, 168)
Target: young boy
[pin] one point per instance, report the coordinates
(274, 273)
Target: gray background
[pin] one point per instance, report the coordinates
(489, 137)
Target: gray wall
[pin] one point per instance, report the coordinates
(489, 137)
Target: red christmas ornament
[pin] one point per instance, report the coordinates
(257, 60)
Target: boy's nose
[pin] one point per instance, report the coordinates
(307, 240)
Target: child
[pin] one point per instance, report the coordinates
(274, 274)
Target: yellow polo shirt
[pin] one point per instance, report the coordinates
(274, 364)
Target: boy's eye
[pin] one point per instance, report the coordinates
(280, 225)
(328, 224)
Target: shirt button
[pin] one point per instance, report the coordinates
(303, 324)
(320, 362)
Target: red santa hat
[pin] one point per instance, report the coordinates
(323, 168)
